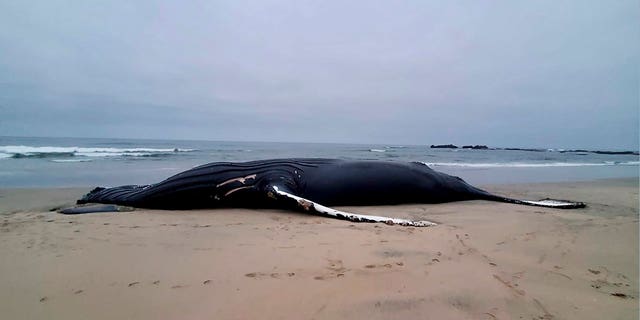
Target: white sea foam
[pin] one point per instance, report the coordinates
(71, 160)
(530, 165)
(377, 150)
(29, 151)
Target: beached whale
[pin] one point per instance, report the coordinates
(309, 185)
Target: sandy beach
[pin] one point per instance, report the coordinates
(484, 260)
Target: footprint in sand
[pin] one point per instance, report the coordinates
(386, 265)
(133, 284)
(78, 291)
(43, 299)
(253, 274)
(335, 269)
(260, 275)
(608, 282)
(558, 274)
(337, 275)
(435, 260)
(335, 265)
(512, 284)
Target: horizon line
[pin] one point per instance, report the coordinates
(324, 142)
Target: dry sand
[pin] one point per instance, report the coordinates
(484, 261)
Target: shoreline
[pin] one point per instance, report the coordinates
(42, 162)
(474, 176)
(485, 260)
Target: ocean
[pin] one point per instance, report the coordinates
(88, 162)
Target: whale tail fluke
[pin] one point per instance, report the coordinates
(547, 202)
(554, 203)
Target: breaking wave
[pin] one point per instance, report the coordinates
(530, 165)
(18, 152)
(71, 160)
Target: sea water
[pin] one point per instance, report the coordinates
(86, 162)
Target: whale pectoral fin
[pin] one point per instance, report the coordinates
(313, 207)
(91, 208)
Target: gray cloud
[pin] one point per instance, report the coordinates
(539, 74)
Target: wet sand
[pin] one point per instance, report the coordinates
(485, 260)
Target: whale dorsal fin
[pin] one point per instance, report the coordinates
(307, 205)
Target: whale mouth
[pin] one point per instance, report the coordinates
(87, 197)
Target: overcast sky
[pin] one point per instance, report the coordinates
(502, 73)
